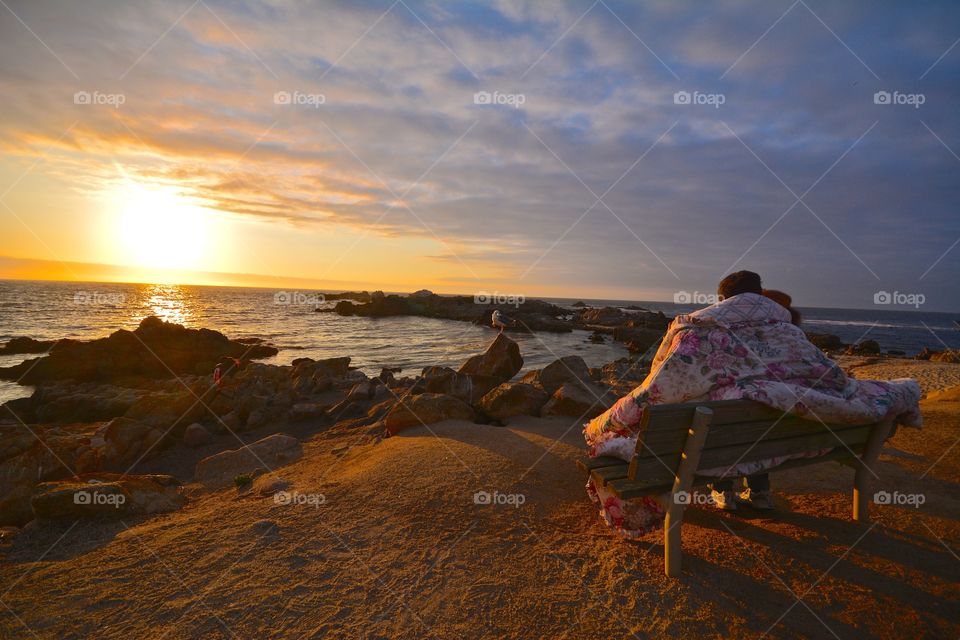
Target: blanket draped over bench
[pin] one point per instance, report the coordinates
(741, 348)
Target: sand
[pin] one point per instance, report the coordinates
(400, 549)
(932, 376)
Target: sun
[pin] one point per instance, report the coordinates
(159, 227)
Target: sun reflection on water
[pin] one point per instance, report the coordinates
(169, 302)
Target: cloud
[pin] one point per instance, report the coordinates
(387, 135)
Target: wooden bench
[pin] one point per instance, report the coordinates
(677, 440)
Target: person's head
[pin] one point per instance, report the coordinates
(785, 301)
(740, 282)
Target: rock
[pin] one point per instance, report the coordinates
(865, 348)
(582, 401)
(196, 435)
(23, 344)
(566, 369)
(267, 485)
(513, 400)
(467, 387)
(533, 315)
(925, 354)
(501, 360)
(128, 440)
(328, 368)
(156, 349)
(826, 341)
(579, 303)
(638, 339)
(266, 454)
(422, 293)
(426, 408)
(946, 356)
(896, 352)
(597, 338)
(106, 495)
(308, 411)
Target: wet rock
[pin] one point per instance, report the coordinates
(426, 408)
(501, 360)
(826, 341)
(106, 495)
(266, 454)
(865, 348)
(513, 400)
(156, 349)
(24, 344)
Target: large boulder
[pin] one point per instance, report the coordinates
(196, 435)
(468, 387)
(865, 348)
(514, 400)
(156, 349)
(501, 360)
(25, 345)
(425, 408)
(263, 455)
(555, 374)
(582, 401)
(826, 341)
(952, 356)
(106, 495)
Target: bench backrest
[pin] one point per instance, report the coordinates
(740, 431)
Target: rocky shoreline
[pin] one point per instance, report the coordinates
(102, 409)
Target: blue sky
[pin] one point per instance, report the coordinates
(586, 174)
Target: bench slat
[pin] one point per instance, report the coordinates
(668, 416)
(625, 489)
(650, 470)
(603, 475)
(589, 464)
(664, 442)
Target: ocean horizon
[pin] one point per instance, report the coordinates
(49, 310)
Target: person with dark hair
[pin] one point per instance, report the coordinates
(785, 301)
(740, 282)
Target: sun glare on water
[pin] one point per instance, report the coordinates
(161, 228)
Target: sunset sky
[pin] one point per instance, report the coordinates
(344, 144)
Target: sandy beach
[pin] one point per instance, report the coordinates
(398, 548)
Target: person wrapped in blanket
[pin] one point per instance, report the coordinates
(745, 346)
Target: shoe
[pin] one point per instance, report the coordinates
(725, 500)
(760, 500)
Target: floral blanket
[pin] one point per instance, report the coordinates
(742, 347)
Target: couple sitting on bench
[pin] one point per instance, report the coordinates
(746, 347)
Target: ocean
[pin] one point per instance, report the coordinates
(287, 319)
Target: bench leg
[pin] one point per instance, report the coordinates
(862, 478)
(672, 553)
(672, 547)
